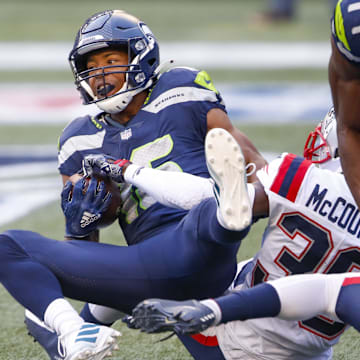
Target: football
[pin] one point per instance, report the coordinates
(112, 212)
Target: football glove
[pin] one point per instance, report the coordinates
(182, 317)
(105, 165)
(83, 206)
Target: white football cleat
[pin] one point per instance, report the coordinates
(90, 342)
(226, 165)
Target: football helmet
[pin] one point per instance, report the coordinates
(321, 146)
(115, 29)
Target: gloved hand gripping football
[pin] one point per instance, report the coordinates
(83, 205)
(105, 165)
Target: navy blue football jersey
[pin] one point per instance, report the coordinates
(167, 133)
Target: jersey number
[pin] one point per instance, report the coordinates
(145, 155)
(318, 246)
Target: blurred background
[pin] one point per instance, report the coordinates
(268, 58)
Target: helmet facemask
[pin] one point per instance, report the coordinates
(321, 146)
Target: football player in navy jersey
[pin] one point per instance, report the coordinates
(150, 114)
(154, 118)
(344, 75)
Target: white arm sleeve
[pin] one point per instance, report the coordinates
(175, 189)
(305, 296)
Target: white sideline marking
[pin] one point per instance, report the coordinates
(245, 102)
(236, 55)
(28, 189)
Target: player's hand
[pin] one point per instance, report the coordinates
(83, 206)
(105, 165)
(182, 317)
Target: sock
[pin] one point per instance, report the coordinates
(259, 301)
(61, 316)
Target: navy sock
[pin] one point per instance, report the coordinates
(257, 302)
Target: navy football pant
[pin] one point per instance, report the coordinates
(195, 258)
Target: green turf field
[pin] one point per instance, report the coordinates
(186, 20)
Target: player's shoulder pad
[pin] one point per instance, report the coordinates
(84, 125)
(284, 175)
(185, 77)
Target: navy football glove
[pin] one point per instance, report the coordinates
(105, 165)
(83, 207)
(182, 317)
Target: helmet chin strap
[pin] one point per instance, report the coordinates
(164, 67)
(119, 103)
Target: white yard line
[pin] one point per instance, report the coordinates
(245, 103)
(25, 188)
(208, 55)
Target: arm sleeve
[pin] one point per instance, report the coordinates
(175, 189)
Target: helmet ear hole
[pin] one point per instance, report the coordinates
(152, 61)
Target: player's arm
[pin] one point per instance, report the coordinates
(174, 189)
(344, 79)
(217, 118)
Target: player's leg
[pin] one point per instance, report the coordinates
(48, 339)
(347, 304)
(78, 268)
(36, 287)
(178, 263)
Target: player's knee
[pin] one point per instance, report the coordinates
(8, 247)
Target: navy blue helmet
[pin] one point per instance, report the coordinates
(115, 29)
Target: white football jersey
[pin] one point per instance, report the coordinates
(313, 227)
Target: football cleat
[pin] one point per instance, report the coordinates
(182, 317)
(45, 336)
(89, 342)
(226, 165)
